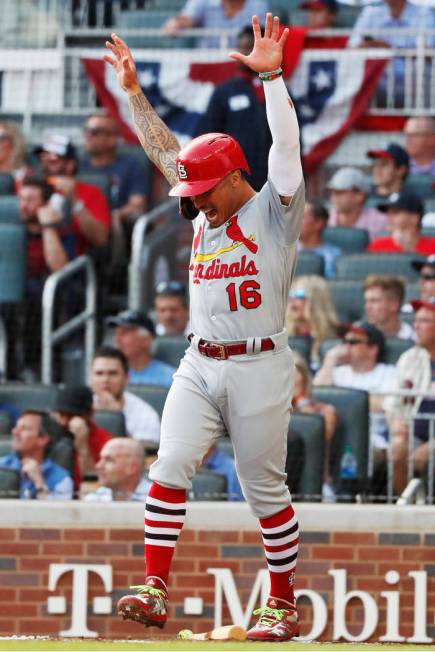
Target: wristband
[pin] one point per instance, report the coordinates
(77, 206)
(270, 75)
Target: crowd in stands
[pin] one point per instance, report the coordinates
(71, 202)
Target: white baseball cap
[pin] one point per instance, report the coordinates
(349, 179)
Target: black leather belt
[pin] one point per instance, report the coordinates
(221, 351)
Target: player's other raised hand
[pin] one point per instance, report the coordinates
(267, 52)
(123, 64)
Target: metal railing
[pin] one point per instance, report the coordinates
(141, 287)
(52, 336)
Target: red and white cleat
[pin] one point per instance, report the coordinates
(149, 606)
(278, 622)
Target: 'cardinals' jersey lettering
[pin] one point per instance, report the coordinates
(241, 271)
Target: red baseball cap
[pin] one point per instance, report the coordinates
(419, 303)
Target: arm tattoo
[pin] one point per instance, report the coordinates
(159, 143)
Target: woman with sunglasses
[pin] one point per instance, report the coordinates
(311, 313)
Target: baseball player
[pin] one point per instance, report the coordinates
(237, 376)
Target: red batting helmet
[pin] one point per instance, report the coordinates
(205, 161)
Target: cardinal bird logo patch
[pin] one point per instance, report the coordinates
(234, 232)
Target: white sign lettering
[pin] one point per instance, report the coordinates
(101, 605)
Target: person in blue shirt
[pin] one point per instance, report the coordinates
(220, 462)
(315, 220)
(40, 477)
(134, 336)
(371, 31)
(128, 197)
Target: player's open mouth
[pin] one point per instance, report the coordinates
(211, 213)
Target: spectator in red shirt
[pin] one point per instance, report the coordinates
(50, 246)
(405, 211)
(73, 409)
(90, 211)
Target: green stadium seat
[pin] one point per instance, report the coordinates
(356, 267)
(9, 483)
(428, 231)
(152, 394)
(5, 445)
(309, 263)
(302, 345)
(170, 349)
(5, 423)
(420, 184)
(208, 485)
(311, 427)
(9, 211)
(7, 184)
(111, 420)
(225, 445)
(352, 407)
(28, 396)
(350, 240)
(412, 291)
(348, 297)
(13, 262)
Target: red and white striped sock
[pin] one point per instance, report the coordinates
(281, 539)
(165, 511)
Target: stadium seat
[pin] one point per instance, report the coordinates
(7, 184)
(412, 291)
(28, 396)
(5, 423)
(356, 267)
(5, 445)
(428, 231)
(350, 240)
(152, 394)
(170, 349)
(13, 262)
(309, 263)
(9, 212)
(311, 428)
(302, 345)
(394, 347)
(348, 298)
(208, 485)
(225, 445)
(352, 407)
(9, 483)
(420, 184)
(111, 420)
(62, 453)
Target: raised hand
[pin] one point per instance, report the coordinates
(123, 64)
(267, 52)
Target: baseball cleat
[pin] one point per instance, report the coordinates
(278, 622)
(149, 606)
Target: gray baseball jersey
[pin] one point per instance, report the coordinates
(241, 271)
(240, 274)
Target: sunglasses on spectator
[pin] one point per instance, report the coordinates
(428, 276)
(353, 341)
(297, 294)
(97, 131)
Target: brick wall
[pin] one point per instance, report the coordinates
(27, 552)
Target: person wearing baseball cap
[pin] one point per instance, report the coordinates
(356, 363)
(404, 211)
(348, 190)
(415, 371)
(134, 335)
(321, 14)
(73, 409)
(89, 208)
(389, 169)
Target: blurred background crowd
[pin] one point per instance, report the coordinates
(94, 303)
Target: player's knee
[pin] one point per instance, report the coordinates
(264, 492)
(177, 467)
